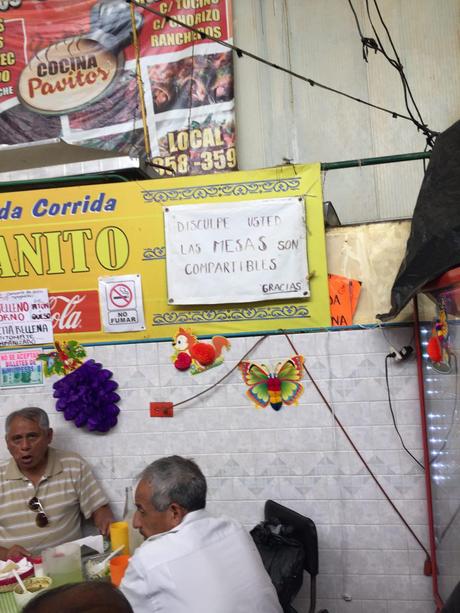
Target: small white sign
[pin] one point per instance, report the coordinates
(121, 303)
(236, 252)
(25, 318)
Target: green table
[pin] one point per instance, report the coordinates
(8, 603)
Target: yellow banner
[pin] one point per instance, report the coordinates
(65, 239)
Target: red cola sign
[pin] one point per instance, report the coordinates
(75, 311)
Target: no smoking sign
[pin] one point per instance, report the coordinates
(121, 303)
(121, 296)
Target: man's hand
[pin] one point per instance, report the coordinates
(102, 519)
(16, 551)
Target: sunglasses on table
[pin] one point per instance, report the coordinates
(41, 518)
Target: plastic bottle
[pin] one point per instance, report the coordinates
(135, 537)
(38, 566)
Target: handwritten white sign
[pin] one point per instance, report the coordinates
(25, 318)
(236, 252)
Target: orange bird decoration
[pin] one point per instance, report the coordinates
(198, 356)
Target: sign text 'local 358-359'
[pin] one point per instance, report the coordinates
(103, 256)
(68, 69)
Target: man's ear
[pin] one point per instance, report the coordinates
(177, 513)
(50, 435)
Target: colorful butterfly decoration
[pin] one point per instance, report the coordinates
(274, 388)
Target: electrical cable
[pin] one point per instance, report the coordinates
(393, 415)
(399, 66)
(242, 52)
(140, 85)
(339, 423)
(208, 389)
(368, 43)
(377, 46)
(366, 465)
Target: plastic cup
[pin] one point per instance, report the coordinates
(118, 567)
(119, 535)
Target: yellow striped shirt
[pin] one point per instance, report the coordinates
(66, 490)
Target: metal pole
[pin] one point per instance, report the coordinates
(426, 461)
(387, 159)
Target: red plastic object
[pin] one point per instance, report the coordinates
(12, 580)
(161, 409)
(446, 289)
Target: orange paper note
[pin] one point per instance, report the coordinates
(343, 297)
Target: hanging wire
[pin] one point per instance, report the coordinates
(140, 86)
(242, 52)
(356, 450)
(368, 43)
(208, 389)
(393, 415)
(190, 94)
(376, 45)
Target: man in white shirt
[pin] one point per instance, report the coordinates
(191, 562)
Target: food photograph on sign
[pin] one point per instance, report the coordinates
(71, 72)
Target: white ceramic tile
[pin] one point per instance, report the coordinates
(297, 456)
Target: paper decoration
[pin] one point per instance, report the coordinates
(63, 360)
(343, 296)
(87, 397)
(438, 347)
(86, 394)
(197, 356)
(274, 388)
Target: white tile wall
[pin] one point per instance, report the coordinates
(297, 456)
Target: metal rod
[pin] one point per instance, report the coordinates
(386, 159)
(426, 458)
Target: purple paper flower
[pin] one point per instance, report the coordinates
(87, 397)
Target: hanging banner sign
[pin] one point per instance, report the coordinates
(20, 368)
(121, 303)
(25, 318)
(68, 70)
(236, 252)
(65, 239)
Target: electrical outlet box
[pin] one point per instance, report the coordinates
(161, 409)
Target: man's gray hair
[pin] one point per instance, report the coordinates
(35, 414)
(176, 479)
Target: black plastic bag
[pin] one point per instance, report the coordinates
(283, 558)
(433, 246)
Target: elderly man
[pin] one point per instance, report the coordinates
(191, 562)
(44, 491)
